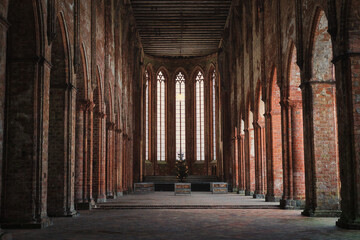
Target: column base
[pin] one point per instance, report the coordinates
(110, 195)
(258, 196)
(292, 204)
(83, 206)
(119, 194)
(249, 193)
(321, 213)
(241, 192)
(100, 200)
(43, 223)
(352, 225)
(235, 189)
(272, 198)
(72, 213)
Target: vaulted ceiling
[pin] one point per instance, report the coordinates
(187, 28)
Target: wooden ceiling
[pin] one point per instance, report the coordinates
(187, 28)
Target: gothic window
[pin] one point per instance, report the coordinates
(146, 115)
(180, 115)
(213, 80)
(200, 117)
(161, 117)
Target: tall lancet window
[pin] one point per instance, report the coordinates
(146, 115)
(213, 82)
(180, 115)
(161, 117)
(200, 117)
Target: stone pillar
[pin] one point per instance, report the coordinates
(348, 100)
(259, 163)
(294, 181)
(320, 147)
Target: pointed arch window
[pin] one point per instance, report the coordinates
(180, 115)
(161, 116)
(146, 115)
(200, 117)
(213, 83)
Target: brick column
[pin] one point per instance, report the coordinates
(3, 30)
(241, 159)
(249, 163)
(125, 163)
(24, 200)
(320, 145)
(99, 192)
(348, 100)
(259, 161)
(87, 201)
(79, 164)
(235, 162)
(109, 159)
(118, 186)
(273, 157)
(90, 143)
(294, 182)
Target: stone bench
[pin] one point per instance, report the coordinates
(144, 187)
(219, 187)
(182, 188)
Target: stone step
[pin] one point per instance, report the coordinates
(173, 179)
(118, 206)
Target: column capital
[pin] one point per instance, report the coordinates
(267, 115)
(295, 104)
(110, 126)
(125, 136)
(312, 81)
(82, 105)
(100, 115)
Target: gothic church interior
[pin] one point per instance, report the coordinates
(96, 96)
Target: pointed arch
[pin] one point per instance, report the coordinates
(320, 149)
(26, 115)
(274, 140)
(61, 137)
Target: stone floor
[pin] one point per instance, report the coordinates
(189, 223)
(195, 199)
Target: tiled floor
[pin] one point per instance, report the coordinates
(187, 224)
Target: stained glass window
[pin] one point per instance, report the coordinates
(146, 115)
(200, 117)
(213, 77)
(180, 115)
(161, 117)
